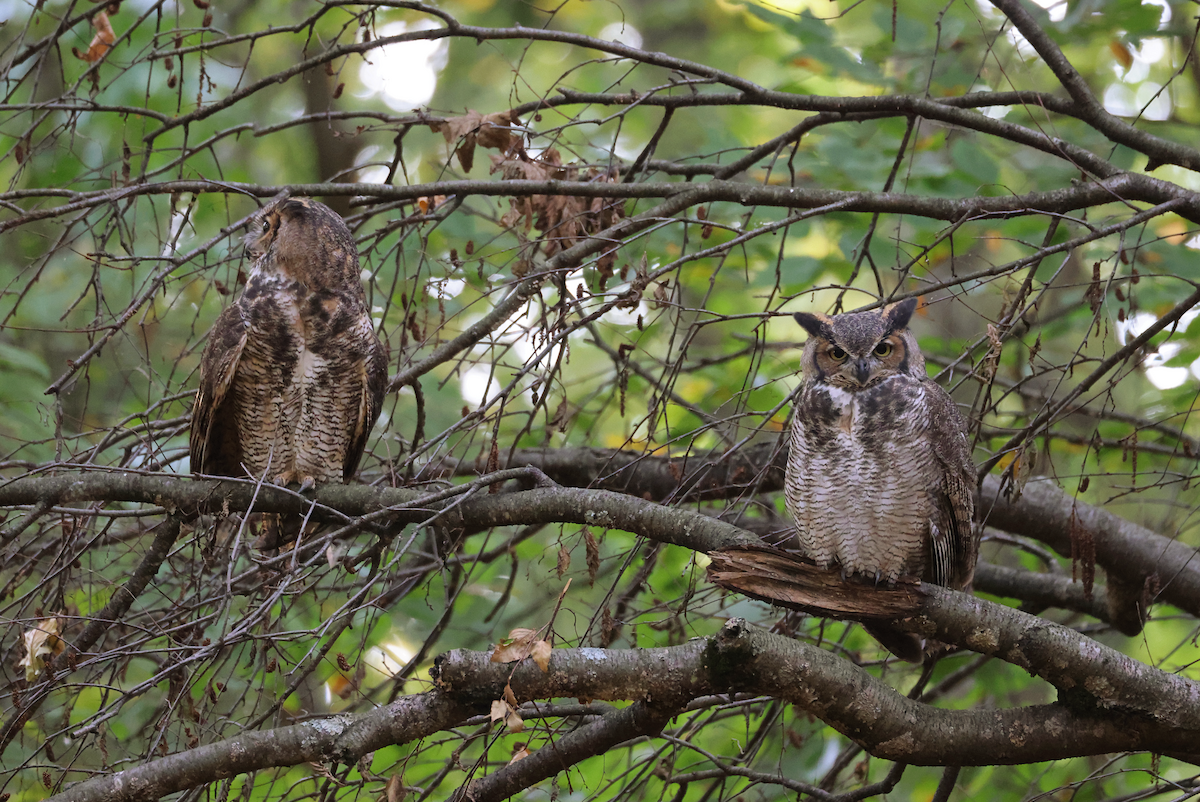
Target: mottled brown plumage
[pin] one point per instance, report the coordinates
(292, 378)
(879, 476)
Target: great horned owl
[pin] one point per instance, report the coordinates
(293, 375)
(879, 476)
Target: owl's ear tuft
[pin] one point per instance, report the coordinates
(898, 314)
(816, 325)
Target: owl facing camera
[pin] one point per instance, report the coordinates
(879, 476)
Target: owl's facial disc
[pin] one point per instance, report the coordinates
(864, 367)
(262, 231)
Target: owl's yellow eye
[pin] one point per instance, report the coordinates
(883, 349)
(837, 354)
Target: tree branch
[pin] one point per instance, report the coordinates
(1124, 550)
(1120, 187)
(1146, 709)
(318, 740)
(334, 503)
(594, 738)
(107, 617)
(1090, 109)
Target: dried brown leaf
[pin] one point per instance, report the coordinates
(991, 362)
(516, 646)
(394, 790)
(660, 294)
(593, 554)
(486, 130)
(561, 416)
(1095, 291)
(42, 643)
(609, 629)
(102, 42)
(514, 722)
(541, 655)
(1121, 52)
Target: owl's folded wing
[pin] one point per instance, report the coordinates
(214, 444)
(374, 384)
(954, 539)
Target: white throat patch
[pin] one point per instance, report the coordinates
(841, 398)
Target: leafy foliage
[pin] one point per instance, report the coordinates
(605, 297)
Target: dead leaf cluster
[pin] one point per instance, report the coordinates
(563, 220)
(519, 644)
(485, 130)
(506, 710)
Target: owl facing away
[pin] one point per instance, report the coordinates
(879, 475)
(293, 375)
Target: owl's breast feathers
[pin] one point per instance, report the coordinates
(292, 381)
(875, 481)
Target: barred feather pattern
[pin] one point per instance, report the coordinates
(879, 475)
(293, 375)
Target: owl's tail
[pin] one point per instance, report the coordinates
(905, 645)
(275, 530)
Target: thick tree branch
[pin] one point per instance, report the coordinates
(1169, 570)
(1119, 187)
(886, 723)
(1048, 590)
(336, 503)
(1090, 109)
(318, 740)
(1084, 671)
(1133, 707)
(1123, 549)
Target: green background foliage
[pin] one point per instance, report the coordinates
(704, 359)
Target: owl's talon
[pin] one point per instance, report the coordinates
(307, 484)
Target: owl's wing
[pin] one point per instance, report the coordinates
(374, 383)
(954, 539)
(214, 443)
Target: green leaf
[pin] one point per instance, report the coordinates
(18, 359)
(817, 44)
(974, 161)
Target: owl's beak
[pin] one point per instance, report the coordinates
(862, 370)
